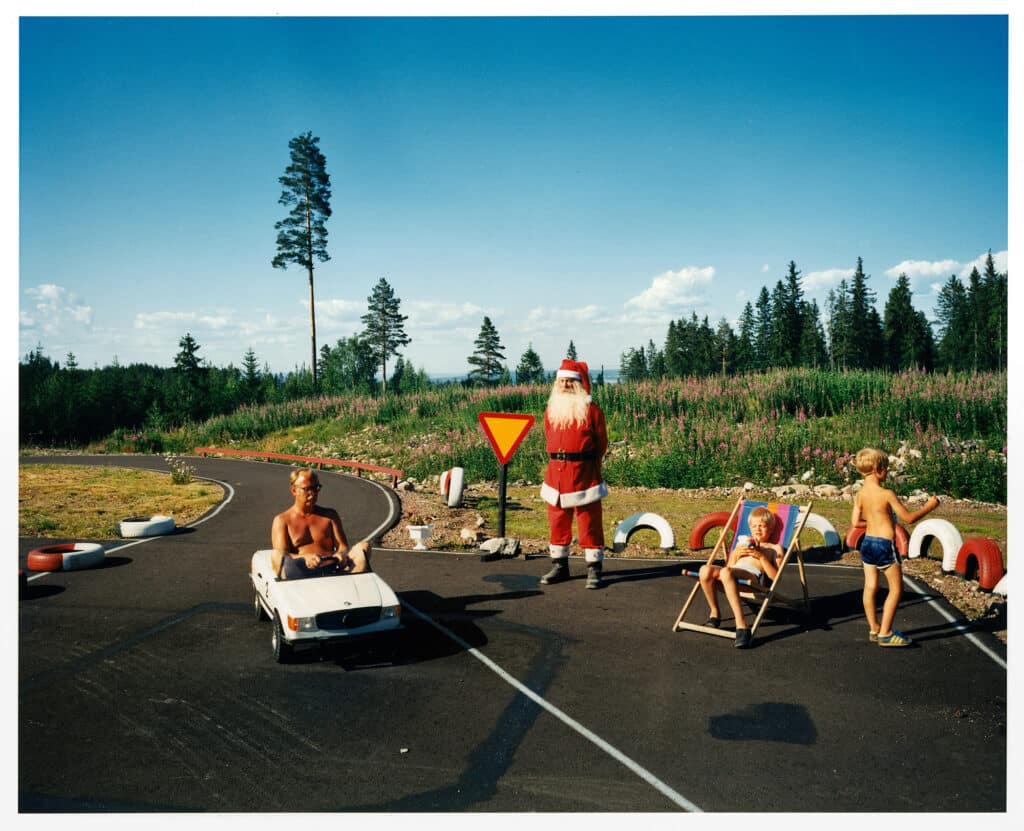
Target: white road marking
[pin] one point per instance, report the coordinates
(570, 722)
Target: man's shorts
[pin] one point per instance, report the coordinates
(878, 552)
(295, 568)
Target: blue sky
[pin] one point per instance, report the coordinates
(583, 178)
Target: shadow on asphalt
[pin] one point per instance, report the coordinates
(418, 641)
(771, 721)
(39, 591)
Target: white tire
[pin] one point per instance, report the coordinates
(85, 555)
(945, 532)
(816, 522)
(644, 520)
(1000, 587)
(155, 526)
(456, 480)
(443, 484)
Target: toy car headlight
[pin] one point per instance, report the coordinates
(391, 611)
(301, 624)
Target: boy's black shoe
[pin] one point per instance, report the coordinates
(743, 638)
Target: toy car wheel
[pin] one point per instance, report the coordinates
(257, 607)
(282, 651)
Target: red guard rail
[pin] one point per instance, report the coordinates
(309, 460)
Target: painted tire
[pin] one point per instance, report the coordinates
(1000, 587)
(154, 526)
(644, 520)
(945, 532)
(456, 479)
(987, 565)
(902, 540)
(66, 556)
(443, 489)
(716, 519)
(816, 522)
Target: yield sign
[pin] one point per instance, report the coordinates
(505, 431)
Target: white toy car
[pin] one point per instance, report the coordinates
(311, 611)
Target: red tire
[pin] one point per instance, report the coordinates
(65, 556)
(980, 556)
(716, 519)
(853, 537)
(48, 558)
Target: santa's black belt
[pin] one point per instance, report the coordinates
(561, 456)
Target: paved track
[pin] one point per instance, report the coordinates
(147, 685)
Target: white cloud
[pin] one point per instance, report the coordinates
(337, 311)
(54, 309)
(764, 268)
(816, 280)
(920, 270)
(673, 289)
(1000, 259)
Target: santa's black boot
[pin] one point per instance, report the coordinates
(559, 571)
(594, 576)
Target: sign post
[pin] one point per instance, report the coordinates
(505, 432)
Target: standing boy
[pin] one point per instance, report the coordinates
(873, 509)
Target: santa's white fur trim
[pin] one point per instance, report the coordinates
(575, 499)
(568, 373)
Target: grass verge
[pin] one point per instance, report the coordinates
(87, 503)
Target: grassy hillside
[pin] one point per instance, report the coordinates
(949, 431)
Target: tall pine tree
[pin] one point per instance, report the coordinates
(302, 235)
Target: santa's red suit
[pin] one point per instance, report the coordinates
(573, 483)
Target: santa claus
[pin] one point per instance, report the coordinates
(577, 439)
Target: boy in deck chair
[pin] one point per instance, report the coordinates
(873, 509)
(754, 558)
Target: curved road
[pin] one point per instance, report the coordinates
(147, 685)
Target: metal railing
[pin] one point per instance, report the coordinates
(312, 461)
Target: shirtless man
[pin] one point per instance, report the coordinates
(307, 537)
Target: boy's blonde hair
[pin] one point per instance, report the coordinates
(869, 460)
(760, 512)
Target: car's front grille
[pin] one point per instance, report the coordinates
(348, 618)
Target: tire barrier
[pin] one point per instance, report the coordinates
(716, 519)
(139, 526)
(945, 532)
(980, 558)
(816, 522)
(902, 539)
(452, 482)
(67, 556)
(644, 520)
(1000, 587)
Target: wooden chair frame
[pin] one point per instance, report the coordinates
(750, 590)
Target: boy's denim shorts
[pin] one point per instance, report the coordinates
(878, 552)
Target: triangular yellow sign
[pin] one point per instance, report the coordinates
(505, 431)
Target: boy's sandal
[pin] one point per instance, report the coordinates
(895, 639)
(713, 622)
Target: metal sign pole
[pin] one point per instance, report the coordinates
(502, 482)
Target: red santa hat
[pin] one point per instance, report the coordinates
(576, 370)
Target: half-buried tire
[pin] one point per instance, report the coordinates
(140, 526)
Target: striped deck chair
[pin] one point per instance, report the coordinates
(790, 521)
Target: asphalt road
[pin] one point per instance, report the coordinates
(148, 685)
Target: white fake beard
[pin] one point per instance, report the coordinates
(566, 409)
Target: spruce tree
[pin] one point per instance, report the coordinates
(302, 235)
(488, 353)
(530, 369)
(385, 326)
